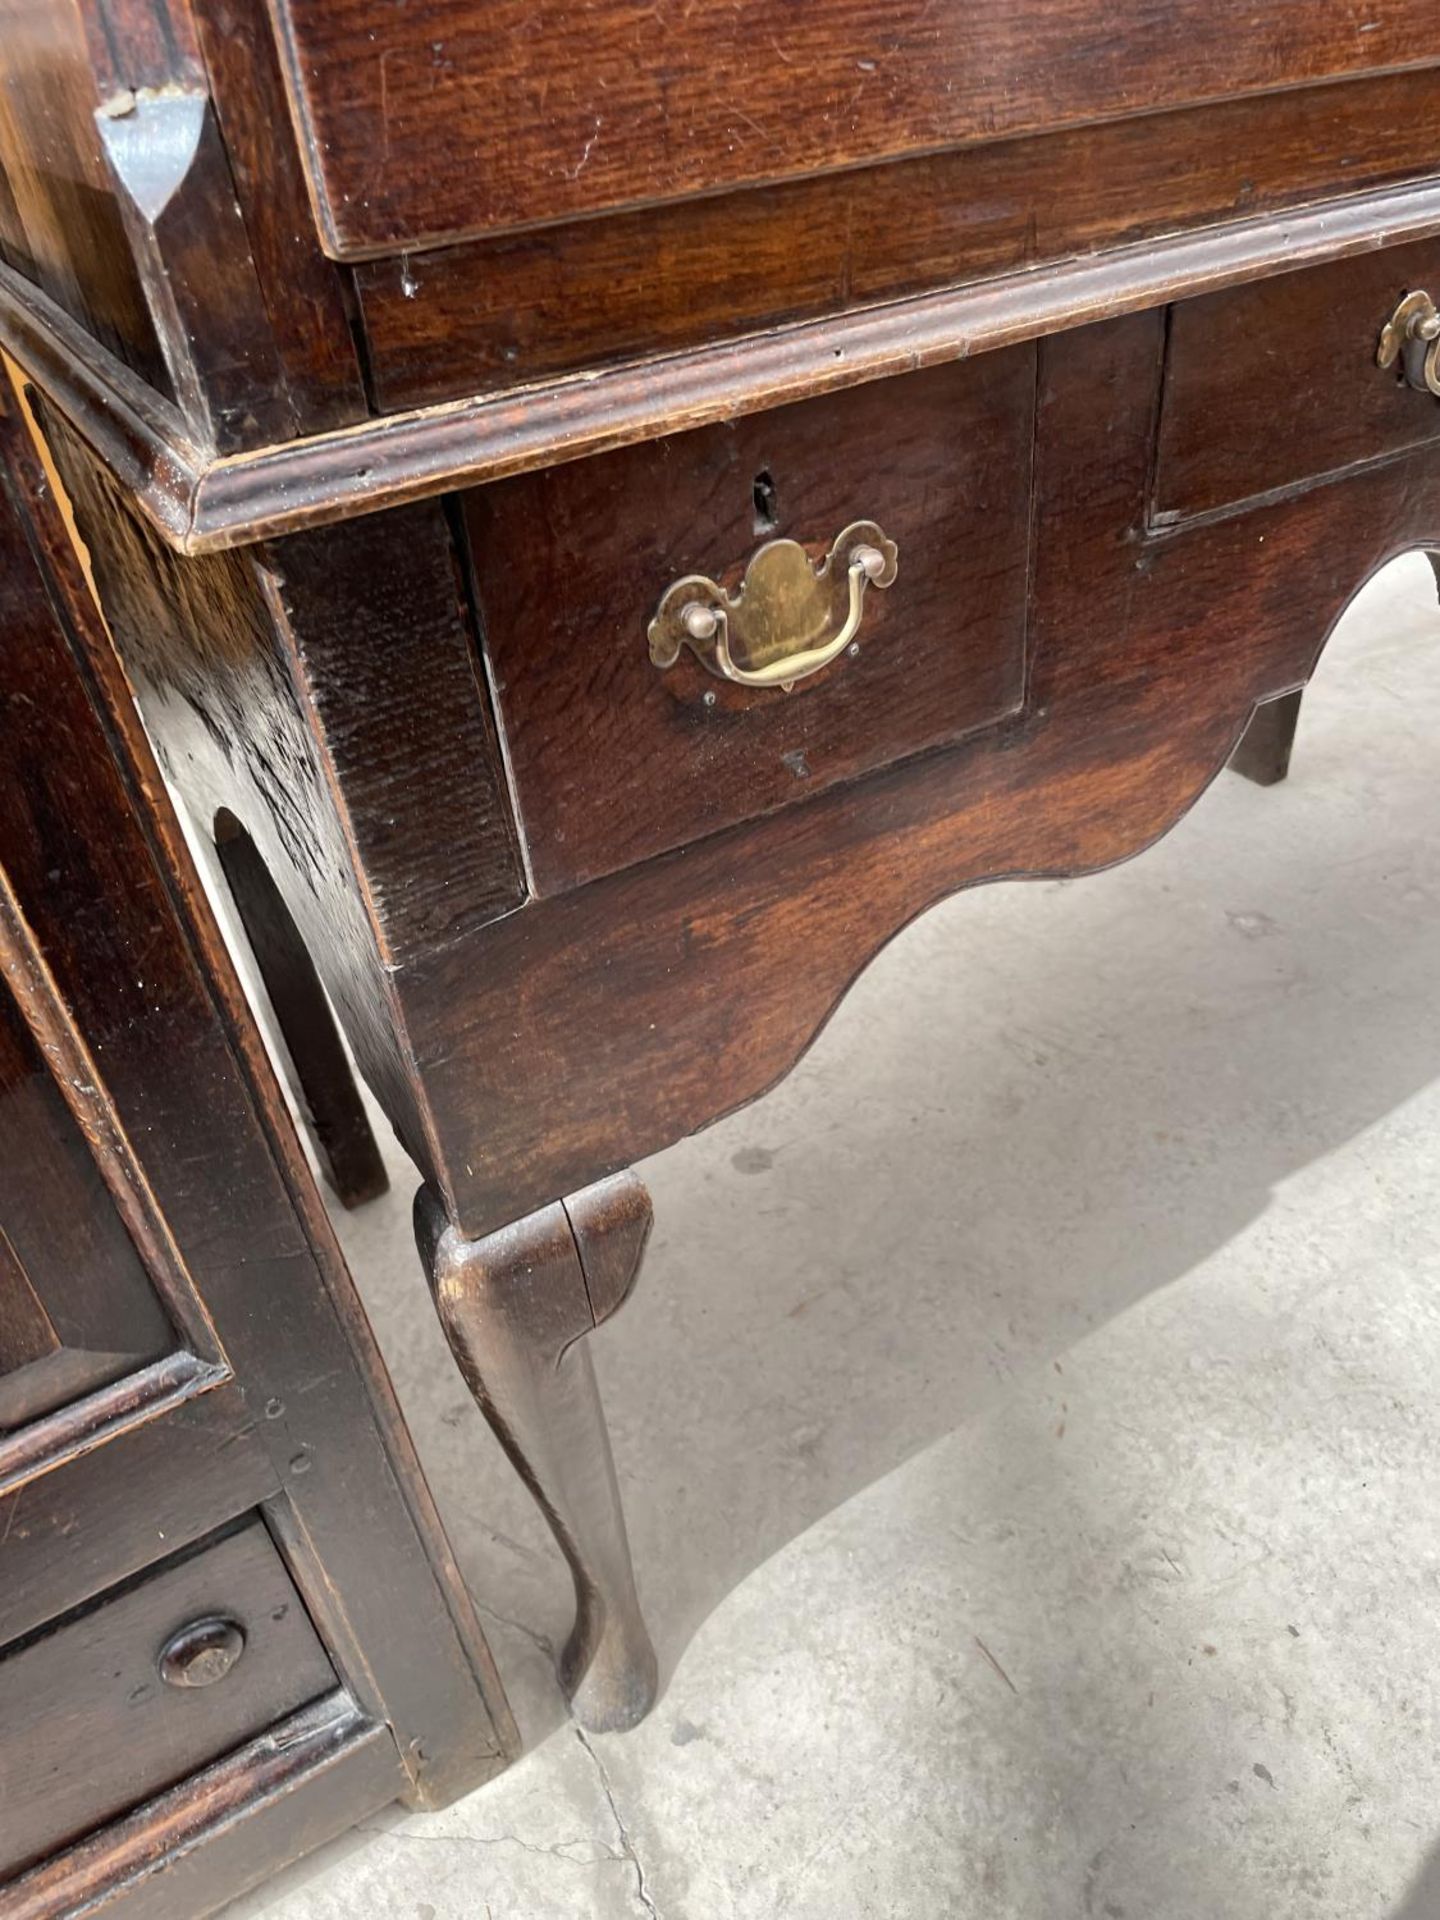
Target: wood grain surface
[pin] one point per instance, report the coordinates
(155, 194)
(108, 944)
(1298, 355)
(614, 761)
(199, 503)
(76, 1306)
(479, 115)
(305, 295)
(491, 314)
(64, 228)
(596, 1026)
(221, 1832)
(90, 1726)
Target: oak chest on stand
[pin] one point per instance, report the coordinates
(608, 514)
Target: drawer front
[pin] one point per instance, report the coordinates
(616, 758)
(427, 123)
(1275, 384)
(137, 1691)
(503, 310)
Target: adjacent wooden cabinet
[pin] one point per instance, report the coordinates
(201, 1460)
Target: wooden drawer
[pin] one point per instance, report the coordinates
(614, 759)
(421, 124)
(1275, 384)
(501, 310)
(90, 1727)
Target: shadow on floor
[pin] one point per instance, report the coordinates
(1422, 1902)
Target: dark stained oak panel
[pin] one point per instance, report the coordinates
(142, 43)
(612, 759)
(173, 186)
(469, 116)
(106, 936)
(1295, 357)
(176, 1475)
(76, 1307)
(374, 619)
(223, 1830)
(493, 313)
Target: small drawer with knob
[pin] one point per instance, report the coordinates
(1286, 382)
(143, 1686)
(694, 632)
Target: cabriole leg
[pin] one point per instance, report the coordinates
(516, 1306)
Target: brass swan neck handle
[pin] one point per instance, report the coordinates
(1412, 336)
(789, 618)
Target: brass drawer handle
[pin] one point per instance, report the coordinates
(1412, 335)
(789, 618)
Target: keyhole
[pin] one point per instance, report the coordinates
(767, 507)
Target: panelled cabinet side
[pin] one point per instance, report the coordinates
(424, 129)
(292, 1417)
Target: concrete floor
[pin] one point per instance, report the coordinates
(1027, 1417)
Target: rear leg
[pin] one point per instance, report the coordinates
(317, 1065)
(1263, 754)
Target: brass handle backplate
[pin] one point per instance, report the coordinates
(1412, 336)
(788, 619)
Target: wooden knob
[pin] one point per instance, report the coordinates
(201, 1653)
